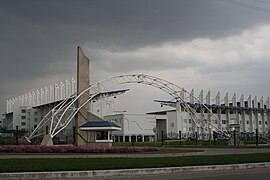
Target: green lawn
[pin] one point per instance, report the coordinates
(75, 164)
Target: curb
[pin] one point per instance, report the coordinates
(129, 172)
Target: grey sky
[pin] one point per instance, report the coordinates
(206, 44)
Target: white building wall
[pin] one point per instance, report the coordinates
(133, 124)
(172, 126)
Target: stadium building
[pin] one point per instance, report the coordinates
(57, 106)
(244, 116)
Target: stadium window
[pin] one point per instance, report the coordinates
(35, 113)
(102, 135)
(23, 123)
(35, 126)
(260, 122)
(247, 122)
(36, 119)
(23, 111)
(23, 117)
(189, 121)
(265, 122)
(224, 122)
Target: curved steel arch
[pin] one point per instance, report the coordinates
(62, 114)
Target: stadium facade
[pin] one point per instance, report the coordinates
(244, 115)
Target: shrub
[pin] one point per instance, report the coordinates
(71, 149)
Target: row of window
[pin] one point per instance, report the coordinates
(24, 124)
(247, 122)
(23, 111)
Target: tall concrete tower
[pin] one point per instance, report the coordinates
(84, 115)
(83, 81)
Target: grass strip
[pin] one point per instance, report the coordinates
(190, 144)
(76, 164)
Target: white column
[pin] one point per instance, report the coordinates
(30, 99)
(47, 96)
(201, 97)
(38, 102)
(226, 99)
(62, 91)
(22, 98)
(218, 99)
(267, 103)
(73, 86)
(183, 95)
(208, 98)
(19, 102)
(7, 107)
(261, 103)
(191, 98)
(255, 102)
(56, 92)
(34, 98)
(42, 96)
(242, 101)
(249, 101)
(68, 89)
(25, 99)
(234, 100)
(51, 94)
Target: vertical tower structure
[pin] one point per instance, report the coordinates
(84, 115)
(83, 81)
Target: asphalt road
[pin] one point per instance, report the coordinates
(245, 174)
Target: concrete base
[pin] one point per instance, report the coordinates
(47, 140)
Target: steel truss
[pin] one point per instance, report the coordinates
(62, 114)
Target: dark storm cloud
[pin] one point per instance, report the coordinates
(39, 38)
(36, 33)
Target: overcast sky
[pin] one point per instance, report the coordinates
(203, 44)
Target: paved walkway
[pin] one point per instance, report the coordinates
(172, 152)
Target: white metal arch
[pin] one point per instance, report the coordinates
(62, 114)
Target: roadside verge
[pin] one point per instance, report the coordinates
(129, 172)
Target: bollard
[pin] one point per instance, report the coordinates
(257, 138)
(234, 138)
(180, 136)
(162, 138)
(214, 137)
(73, 134)
(196, 136)
(17, 135)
